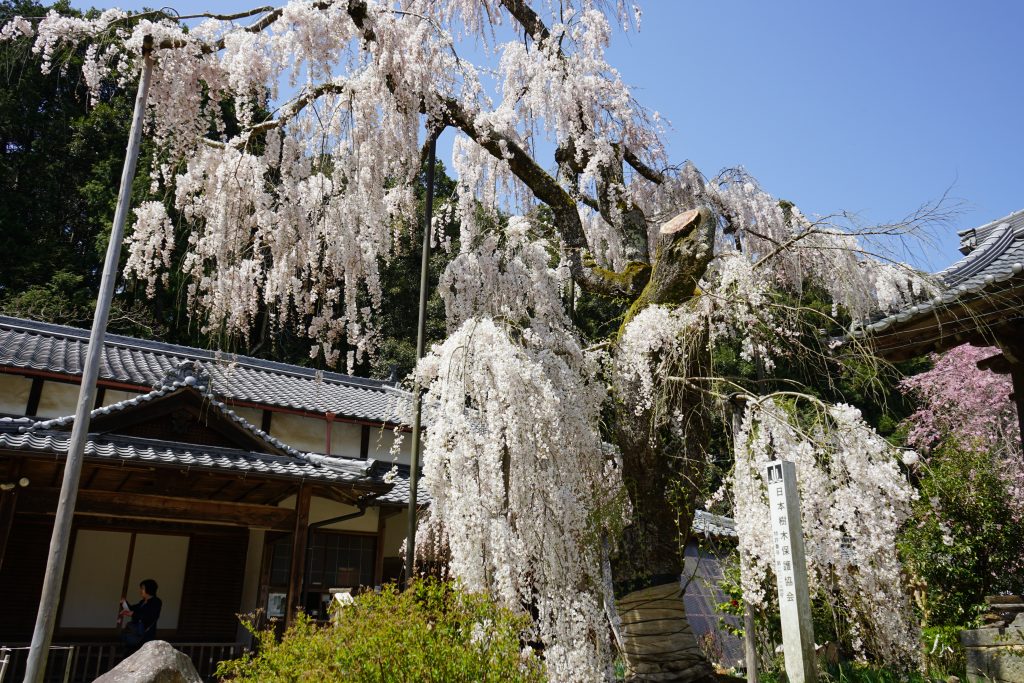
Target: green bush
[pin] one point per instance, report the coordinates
(433, 632)
(963, 542)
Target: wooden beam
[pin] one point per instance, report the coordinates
(34, 394)
(976, 319)
(139, 505)
(1011, 343)
(999, 364)
(298, 565)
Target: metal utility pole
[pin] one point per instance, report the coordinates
(43, 633)
(421, 338)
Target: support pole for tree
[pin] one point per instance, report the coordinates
(35, 667)
(739, 405)
(421, 338)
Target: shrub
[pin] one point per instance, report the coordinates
(433, 632)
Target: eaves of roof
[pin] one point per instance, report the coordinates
(994, 263)
(138, 450)
(31, 345)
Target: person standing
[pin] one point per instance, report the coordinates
(144, 615)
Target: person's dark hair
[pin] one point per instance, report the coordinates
(150, 587)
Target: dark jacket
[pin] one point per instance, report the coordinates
(146, 613)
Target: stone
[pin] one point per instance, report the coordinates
(1004, 600)
(994, 655)
(155, 662)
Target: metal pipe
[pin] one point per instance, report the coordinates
(35, 668)
(421, 335)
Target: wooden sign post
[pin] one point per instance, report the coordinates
(791, 572)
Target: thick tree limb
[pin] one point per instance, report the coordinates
(643, 169)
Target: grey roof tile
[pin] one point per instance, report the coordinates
(399, 494)
(995, 255)
(707, 524)
(27, 434)
(124, 448)
(56, 348)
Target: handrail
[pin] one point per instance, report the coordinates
(86, 661)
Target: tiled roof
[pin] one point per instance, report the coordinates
(399, 494)
(995, 255)
(188, 376)
(707, 524)
(59, 349)
(124, 448)
(27, 434)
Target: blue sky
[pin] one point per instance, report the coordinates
(871, 107)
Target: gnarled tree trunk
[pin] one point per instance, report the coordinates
(661, 468)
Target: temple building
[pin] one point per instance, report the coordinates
(980, 302)
(237, 484)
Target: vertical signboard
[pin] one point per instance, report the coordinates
(791, 572)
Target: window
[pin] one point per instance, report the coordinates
(333, 560)
(108, 564)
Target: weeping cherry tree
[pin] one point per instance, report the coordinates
(563, 474)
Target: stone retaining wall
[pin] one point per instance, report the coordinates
(996, 654)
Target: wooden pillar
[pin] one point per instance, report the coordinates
(1009, 341)
(8, 500)
(378, 562)
(1017, 373)
(298, 565)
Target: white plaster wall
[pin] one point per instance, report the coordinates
(58, 399)
(94, 583)
(298, 431)
(253, 415)
(325, 508)
(14, 394)
(346, 439)
(383, 439)
(251, 579)
(112, 396)
(394, 533)
(97, 575)
(162, 558)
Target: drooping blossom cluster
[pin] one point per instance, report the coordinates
(264, 207)
(513, 457)
(963, 401)
(516, 478)
(971, 406)
(853, 499)
(788, 250)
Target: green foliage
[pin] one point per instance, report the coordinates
(400, 282)
(857, 673)
(59, 169)
(964, 540)
(433, 632)
(943, 654)
(59, 177)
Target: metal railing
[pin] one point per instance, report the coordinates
(12, 663)
(84, 662)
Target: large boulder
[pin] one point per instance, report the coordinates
(155, 662)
